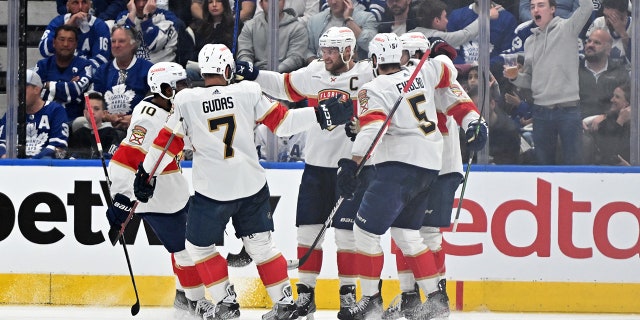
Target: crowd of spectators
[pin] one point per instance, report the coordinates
(567, 102)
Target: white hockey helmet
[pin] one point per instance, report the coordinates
(165, 72)
(217, 59)
(414, 41)
(338, 37)
(385, 48)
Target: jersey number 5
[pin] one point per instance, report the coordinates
(427, 126)
(230, 123)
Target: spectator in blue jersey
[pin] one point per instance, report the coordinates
(102, 9)
(292, 40)
(501, 33)
(564, 9)
(550, 69)
(123, 80)
(46, 125)
(66, 76)
(93, 36)
(342, 13)
(82, 142)
(376, 7)
(616, 19)
(156, 29)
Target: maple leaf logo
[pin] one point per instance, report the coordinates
(35, 140)
(119, 99)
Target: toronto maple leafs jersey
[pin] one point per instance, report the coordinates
(158, 35)
(94, 40)
(46, 129)
(500, 33)
(323, 147)
(218, 121)
(289, 148)
(122, 98)
(172, 190)
(66, 86)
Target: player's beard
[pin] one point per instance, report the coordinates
(336, 67)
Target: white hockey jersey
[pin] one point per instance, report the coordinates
(449, 98)
(172, 190)
(323, 148)
(412, 135)
(219, 123)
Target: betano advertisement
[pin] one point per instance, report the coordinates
(520, 232)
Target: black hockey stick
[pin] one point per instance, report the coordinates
(466, 171)
(292, 264)
(151, 173)
(135, 308)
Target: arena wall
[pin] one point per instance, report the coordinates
(530, 239)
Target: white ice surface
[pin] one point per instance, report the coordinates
(26, 312)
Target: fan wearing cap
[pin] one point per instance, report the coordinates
(46, 125)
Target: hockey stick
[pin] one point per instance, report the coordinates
(468, 169)
(293, 264)
(135, 308)
(151, 173)
(236, 25)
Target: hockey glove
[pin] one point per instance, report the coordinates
(118, 212)
(333, 112)
(352, 128)
(439, 46)
(347, 180)
(141, 188)
(246, 71)
(476, 135)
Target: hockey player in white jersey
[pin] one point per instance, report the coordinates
(167, 212)
(336, 73)
(442, 192)
(407, 160)
(228, 181)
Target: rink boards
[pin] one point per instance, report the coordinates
(530, 239)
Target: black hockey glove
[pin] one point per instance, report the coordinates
(142, 189)
(476, 135)
(352, 128)
(347, 180)
(439, 46)
(333, 112)
(118, 212)
(246, 71)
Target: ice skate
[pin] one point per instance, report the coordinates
(368, 308)
(181, 305)
(347, 297)
(435, 308)
(306, 303)
(199, 307)
(284, 309)
(404, 305)
(227, 308)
